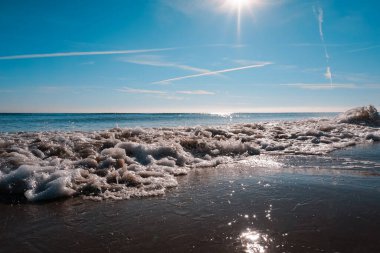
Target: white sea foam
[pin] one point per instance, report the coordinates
(124, 163)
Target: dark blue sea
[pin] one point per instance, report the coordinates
(21, 122)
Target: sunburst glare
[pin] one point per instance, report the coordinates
(238, 6)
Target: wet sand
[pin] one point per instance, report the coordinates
(315, 205)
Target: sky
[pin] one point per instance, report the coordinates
(189, 55)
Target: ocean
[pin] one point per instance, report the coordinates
(20, 122)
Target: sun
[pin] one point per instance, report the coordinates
(238, 7)
(239, 4)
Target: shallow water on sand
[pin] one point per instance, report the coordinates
(297, 204)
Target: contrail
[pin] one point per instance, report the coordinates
(319, 14)
(69, 54)
(211, 73)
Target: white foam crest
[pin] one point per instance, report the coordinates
(124, 163)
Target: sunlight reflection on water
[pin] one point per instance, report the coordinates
(254, 242)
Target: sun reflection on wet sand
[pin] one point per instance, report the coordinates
(254, 242)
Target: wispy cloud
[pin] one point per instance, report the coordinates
(356, 77)
(328, 75)
(226, 45)
(319, 13)
(321, 45)
(158, 61)
(364, 49)
(170, 97)
(164, 94)
(212, 73)
(195, 92)
(320, 86)
(70, 54)
(88, 63)
(246, 62)
(140, 91)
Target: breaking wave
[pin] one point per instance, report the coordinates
(125, 163)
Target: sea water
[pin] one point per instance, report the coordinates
(10, 122)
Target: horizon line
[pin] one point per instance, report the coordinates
(179, 112)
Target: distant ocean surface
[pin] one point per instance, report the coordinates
(25, 122)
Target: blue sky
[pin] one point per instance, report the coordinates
(188, 55)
